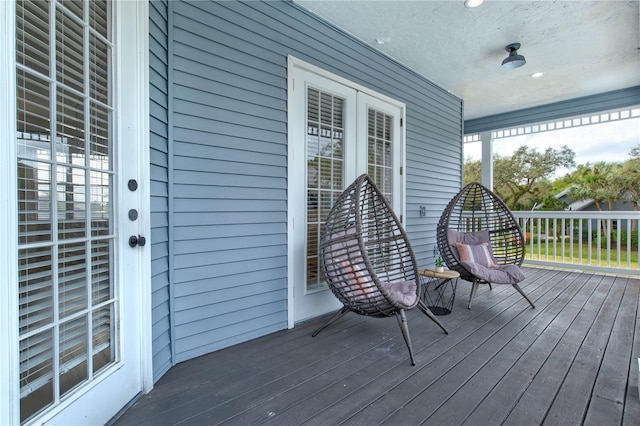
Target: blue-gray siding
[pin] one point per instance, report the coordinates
(159, 149)
(227, 159)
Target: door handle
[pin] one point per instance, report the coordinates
(137, 241)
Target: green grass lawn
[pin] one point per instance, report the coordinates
(547, 253)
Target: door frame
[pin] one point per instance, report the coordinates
(9, 360)
(133, 26)
(294, 117)
(136, 40)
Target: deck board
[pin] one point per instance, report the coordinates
(572, 359)
(513, 385)
(610, 386)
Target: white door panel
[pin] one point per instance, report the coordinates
(325, 136)
(80, 136)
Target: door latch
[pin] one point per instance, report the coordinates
(137, 241)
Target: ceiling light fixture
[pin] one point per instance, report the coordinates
(472, 3)
(513, 60)
(537, 74)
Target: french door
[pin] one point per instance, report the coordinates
(342, 132)
(77, 351)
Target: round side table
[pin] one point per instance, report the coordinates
(439, 290)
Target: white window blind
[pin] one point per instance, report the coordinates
(380, 150)
(65, 175)
(325, 171)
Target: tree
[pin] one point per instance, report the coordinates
(627, 178)
(472, 171)
(551, 203)
(523, 179)
(597, 182)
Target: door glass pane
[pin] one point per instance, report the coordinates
(379, 152)
(73, 353)
(72, 279)
(70, 202)
(380, 163)
(103, 349)
(36, 288)
(65, 187)
(69, 51)
(36, 373)
(101, 287)
(32, 35)
(325, 171)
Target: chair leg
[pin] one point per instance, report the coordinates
(402, 321)
(430, 314)
(334, 318)
(517, 287)
(474, 288)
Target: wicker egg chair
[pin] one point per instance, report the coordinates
(367, 260)
(479, 237)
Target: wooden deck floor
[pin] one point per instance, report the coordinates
(571, 360)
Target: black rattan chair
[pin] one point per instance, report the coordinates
(473, 217)
(367, 260)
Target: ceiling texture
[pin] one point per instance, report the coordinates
(582, 47)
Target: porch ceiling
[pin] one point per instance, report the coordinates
(582, 47)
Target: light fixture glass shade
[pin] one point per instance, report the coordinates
(513, 60)
(472, 3)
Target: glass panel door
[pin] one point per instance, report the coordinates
(342, 133)
(69, 306)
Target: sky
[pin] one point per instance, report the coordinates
(610, 142)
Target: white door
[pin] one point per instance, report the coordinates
(337, 132)
(78, 142)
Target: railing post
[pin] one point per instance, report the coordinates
(487, 160)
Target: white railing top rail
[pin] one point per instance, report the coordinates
(577, 214)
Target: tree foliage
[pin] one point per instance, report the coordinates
(607, 183)
(472, 171)
(522, 179)
(596, 181)
(627, 180)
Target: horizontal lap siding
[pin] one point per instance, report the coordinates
(434, 117)
(230, 158)
(230, 186)
(159, 122)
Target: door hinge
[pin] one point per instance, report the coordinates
(401, 122)
(401, 171)
(401, 219)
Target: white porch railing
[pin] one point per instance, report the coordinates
(602, 241)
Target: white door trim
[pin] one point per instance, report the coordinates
(136, 39)
(307, 304)
(9, 361)
(299, 63)
(296, 118)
